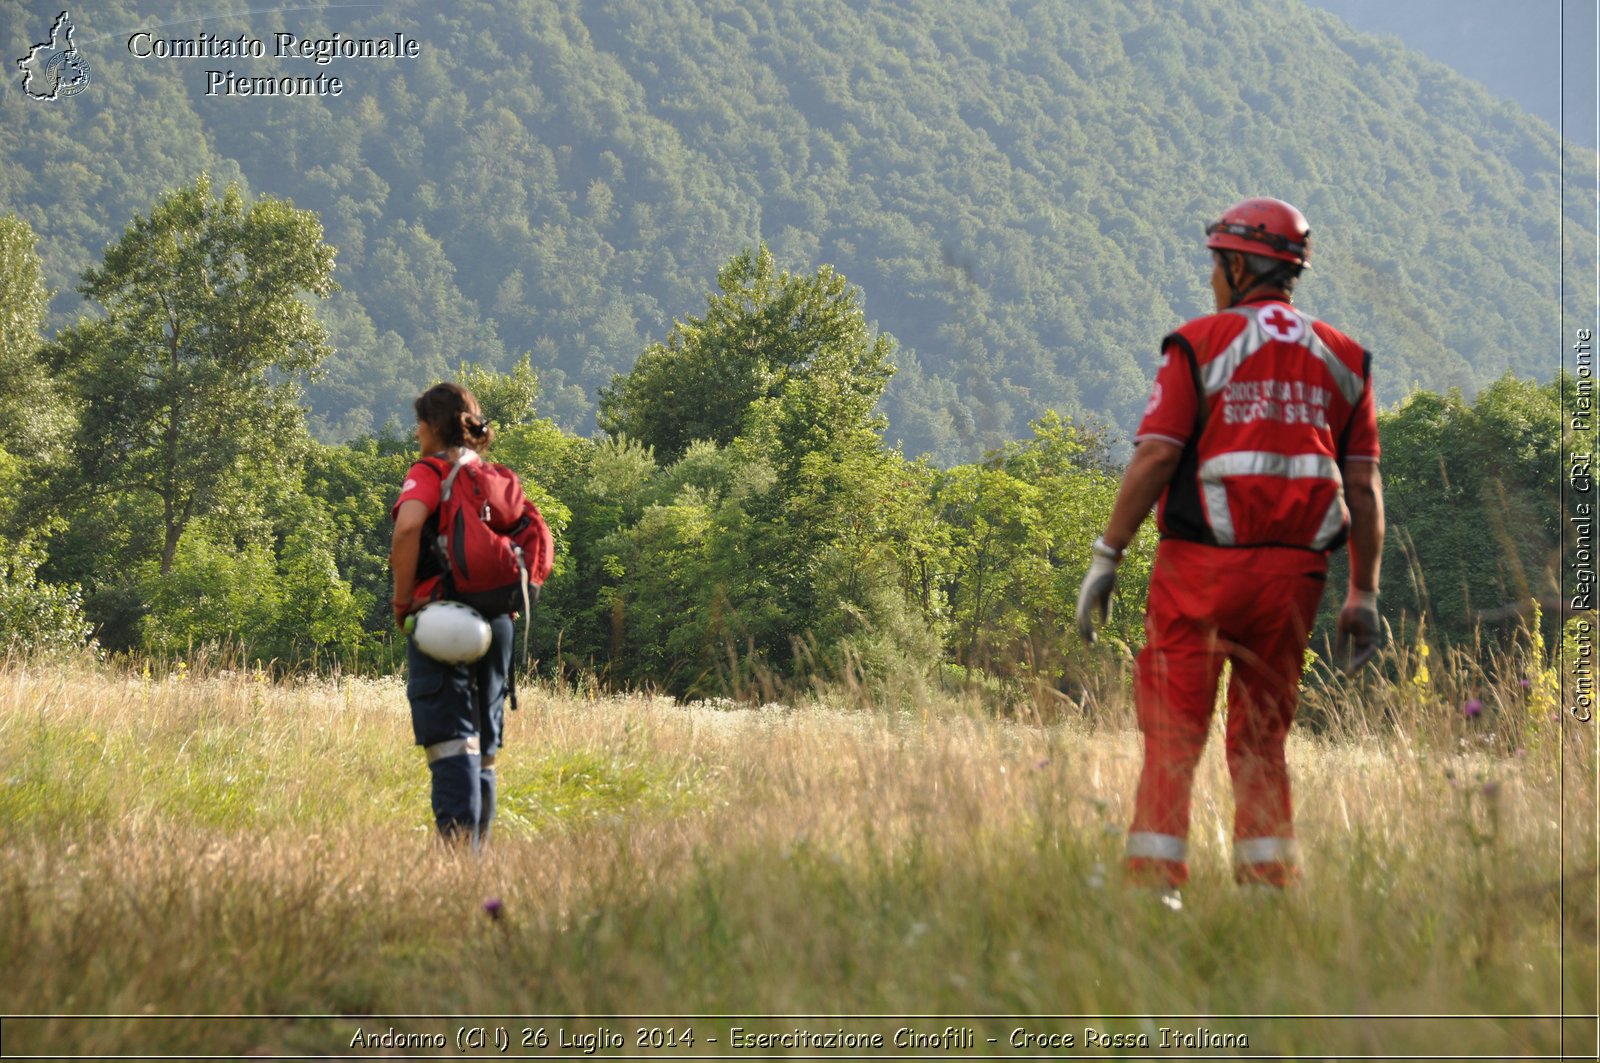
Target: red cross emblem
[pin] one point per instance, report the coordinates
(1282, 324)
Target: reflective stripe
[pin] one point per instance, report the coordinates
(1219, 371)
(1157, 846)
(1349, 383)
(1263, 851)
(1218, 515)
(455, 747)
(1266, 463)
(1333, 522)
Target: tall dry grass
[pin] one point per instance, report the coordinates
(194, 841)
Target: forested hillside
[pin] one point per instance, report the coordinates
(1019, 191)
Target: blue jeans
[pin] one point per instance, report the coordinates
(458, 717)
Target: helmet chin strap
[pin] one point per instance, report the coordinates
(1236, 293)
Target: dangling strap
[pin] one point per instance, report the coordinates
(511, 684)
(527, 624)
(477, 722)
(527, 606)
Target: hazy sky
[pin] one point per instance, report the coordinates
(1515, 50)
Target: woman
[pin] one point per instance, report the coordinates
(457, 710)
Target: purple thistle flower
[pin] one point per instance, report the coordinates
(1525, 683)
(1491, 788)
(492, 907)
(1472, 709)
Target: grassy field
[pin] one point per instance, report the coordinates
(203, 842)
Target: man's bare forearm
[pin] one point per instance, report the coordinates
(1363, 494)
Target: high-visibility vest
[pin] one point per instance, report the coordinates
(1276, 391)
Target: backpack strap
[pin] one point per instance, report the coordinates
(448, 481)
(446, 469)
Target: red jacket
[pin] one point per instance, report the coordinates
(1267, 404)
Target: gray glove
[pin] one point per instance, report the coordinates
(1359, 634)
(1098, 583)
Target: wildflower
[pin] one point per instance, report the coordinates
(1525, 683)
(1422, 676)
(1472, 709)
(1490, 789)
(1043, 764)
(493, 907)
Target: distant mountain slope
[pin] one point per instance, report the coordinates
(1019, 191)
(1513, 50)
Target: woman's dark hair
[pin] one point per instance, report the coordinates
(452, 412)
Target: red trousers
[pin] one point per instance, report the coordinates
(1254, 608)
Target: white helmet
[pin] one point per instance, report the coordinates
(451, 632)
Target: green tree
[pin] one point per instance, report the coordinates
(30, 409)
(1472, 493)
(1019, 529)
(505, 399)
(813, 549)
(317, 608)
(657, 594)
(1068, 466)
(773, 536)
(607, 484)
(34, 613)
(188, 380)
(213, 591)
(348, 490)
(999, 546)
(763, 333)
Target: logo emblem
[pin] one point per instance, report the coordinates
(1155, 400)
(55, 68)
(1283, 325)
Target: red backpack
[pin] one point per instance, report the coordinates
(492, 544)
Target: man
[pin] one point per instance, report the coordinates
(1260, 441)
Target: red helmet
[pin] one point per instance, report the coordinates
(1262, 226)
